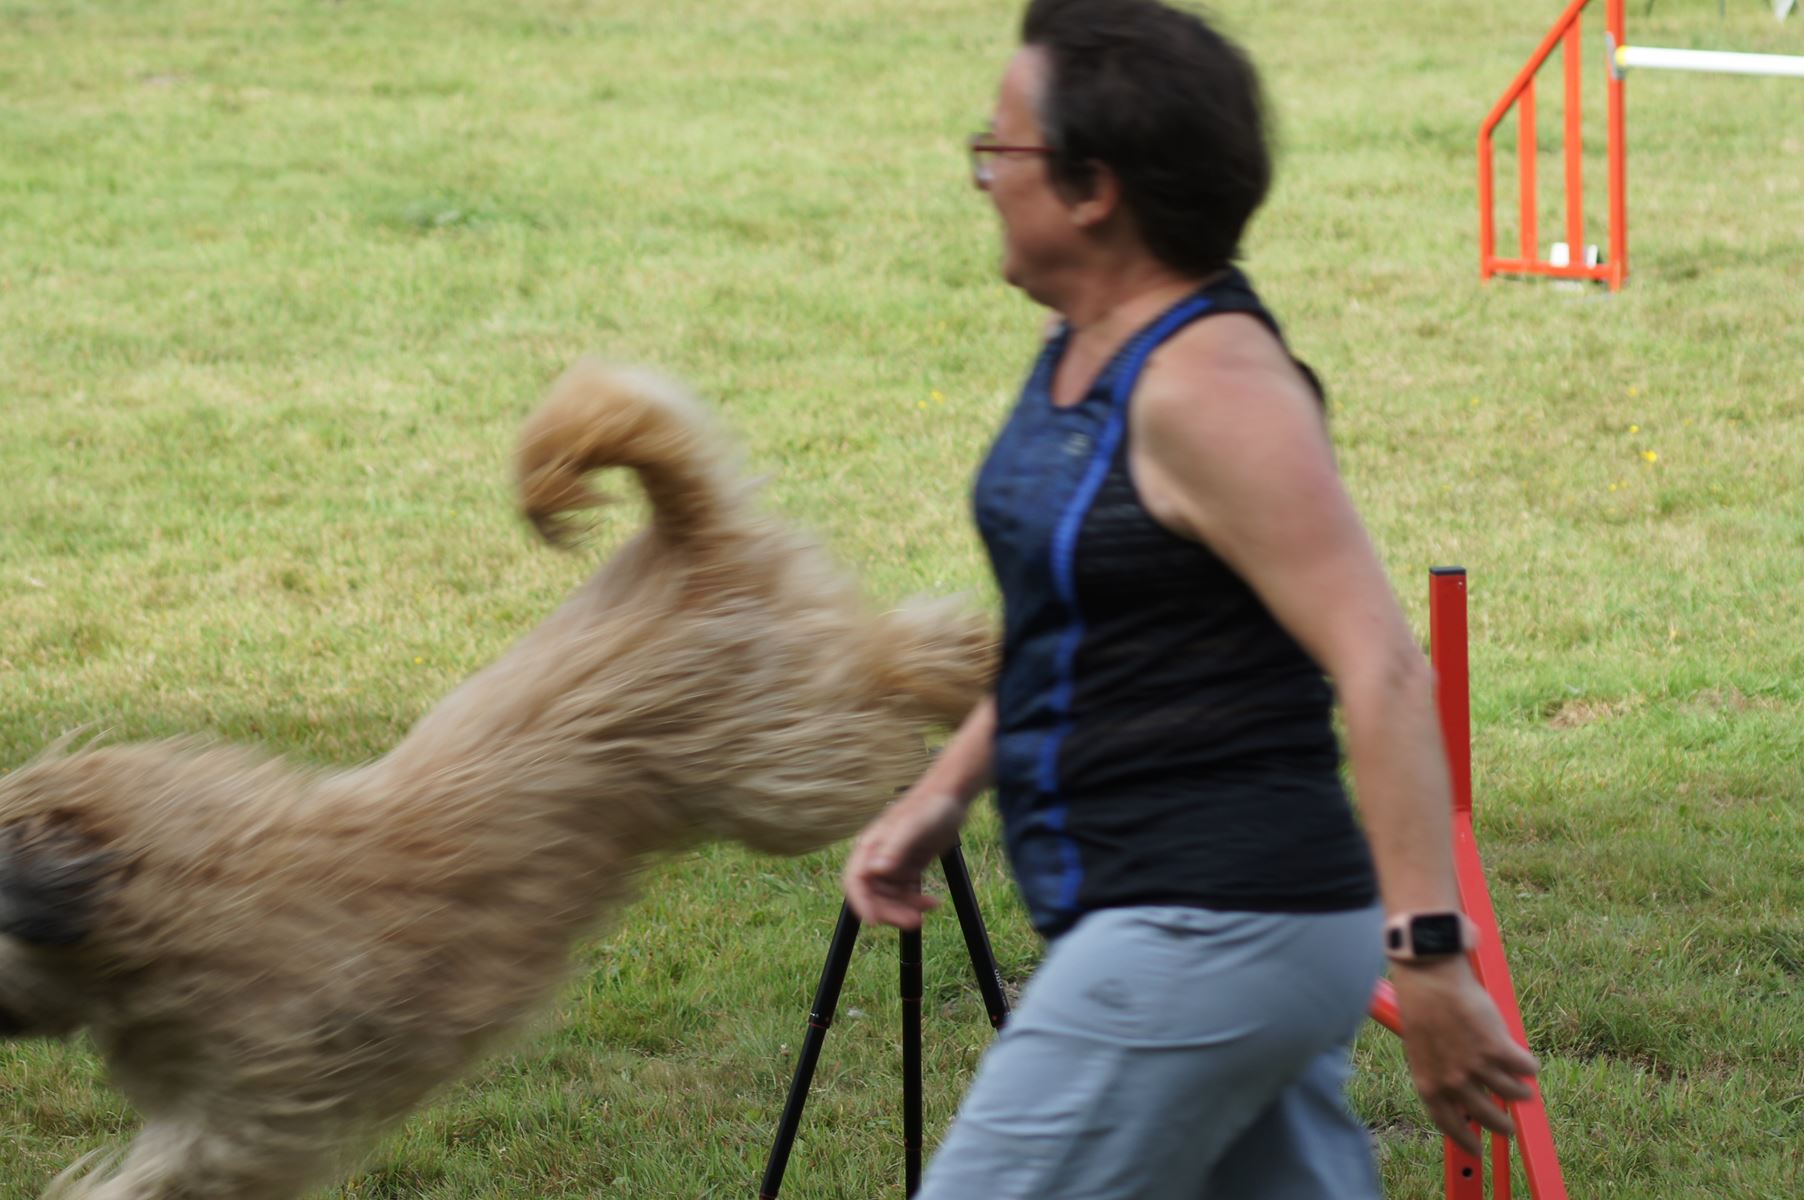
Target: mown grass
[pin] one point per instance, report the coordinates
(280, 279)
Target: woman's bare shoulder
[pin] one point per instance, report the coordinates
(1214, 367)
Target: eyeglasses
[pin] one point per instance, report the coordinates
(984, 148)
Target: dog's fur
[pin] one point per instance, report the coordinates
(279, 963)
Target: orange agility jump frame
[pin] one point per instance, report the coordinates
(1570, 259)
(1463, 1173)
(1521, 96)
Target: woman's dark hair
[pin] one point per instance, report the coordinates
(1172, 107)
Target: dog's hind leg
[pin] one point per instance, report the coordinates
(180, 1160)
(936, 656)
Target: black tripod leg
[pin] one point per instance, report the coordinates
(989, 982)
(977, 939)
(826, 999)
(910, 943)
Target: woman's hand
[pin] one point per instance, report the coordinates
(883, 877)
(1460, 1053)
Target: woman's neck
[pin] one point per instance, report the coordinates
(1105, 312)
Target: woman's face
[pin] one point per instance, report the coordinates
(1038, 234)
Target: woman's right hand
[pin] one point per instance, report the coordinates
(1460, 1052)
(882, 879)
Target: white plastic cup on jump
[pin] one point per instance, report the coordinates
(1560, 255)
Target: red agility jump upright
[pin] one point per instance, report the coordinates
(1534, 1139)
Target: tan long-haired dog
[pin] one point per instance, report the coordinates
(279, 963)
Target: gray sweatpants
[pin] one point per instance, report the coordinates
(1175, 1054)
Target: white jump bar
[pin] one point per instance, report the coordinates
(1721, 62)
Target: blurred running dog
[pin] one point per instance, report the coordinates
(278, 963)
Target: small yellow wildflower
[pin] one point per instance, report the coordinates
(1474, 402)
(1634, 391)
(1634, 429)
(417, 659)
(939, 396)
(1649, 456)
(1612, 487)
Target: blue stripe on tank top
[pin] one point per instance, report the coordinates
(1064, 561)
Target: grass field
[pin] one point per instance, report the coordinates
(278, 279)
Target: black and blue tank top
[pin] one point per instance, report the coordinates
(1160, 738)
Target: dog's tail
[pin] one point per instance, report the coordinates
(605, 416)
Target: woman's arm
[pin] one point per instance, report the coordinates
(883, 876)
(1228, 447)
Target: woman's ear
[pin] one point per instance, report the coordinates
(1097, 199)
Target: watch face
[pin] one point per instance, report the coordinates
(1435, 935)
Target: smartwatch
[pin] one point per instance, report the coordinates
(1429, 936)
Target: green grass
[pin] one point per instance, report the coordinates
(279, 279)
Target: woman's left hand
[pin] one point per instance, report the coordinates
(1460, 1053)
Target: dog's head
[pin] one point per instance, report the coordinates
(72, 828)
(55, 874)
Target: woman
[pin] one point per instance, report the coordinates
(1179, 566)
